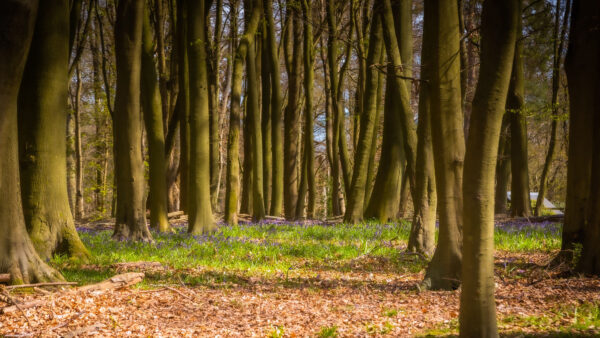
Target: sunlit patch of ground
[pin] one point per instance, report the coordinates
(288, 280)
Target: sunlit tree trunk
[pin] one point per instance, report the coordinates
(499, 32)
(447, 134)
(519, 196)
(42, 143)
(213, 61)
(17, 255)
(503, 168)
(153, 119)
(127, 126)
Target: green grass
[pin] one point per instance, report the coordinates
(235, 253)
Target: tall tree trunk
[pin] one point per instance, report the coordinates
(79, 211)
(356, 195)
(308, 162)
(252, 109)
(153, 119)
(248, 165)
(291, 121)
(127, 126)
(557, 57)
(183, 104)
(42, 130)
(384, 205)
(448, 141)
(233, 169)
(422, 232)
(375, 136)
(213, 62)
(265, 121)
(583, 71)
(503, 168)
(499, 33)
(276, 113)
(17, 255)
(199, 203)
(519, 196)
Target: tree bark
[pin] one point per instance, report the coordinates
(213, 51)
(183, 104)
(42, 130)
(233, 169)
(200, 212)
(503, 168)
(499, 33)
(127, 126)
(520, 201)
(448, 141)
(153, 119)
(17, 254)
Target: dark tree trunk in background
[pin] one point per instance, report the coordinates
(503, 168)
(42, 130)
(183, 104)
(582, 66)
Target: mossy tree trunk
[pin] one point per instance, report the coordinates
(448, 142)
(17, 254)
(127, 126)
(233, 168)
(499, 32)
(356, 195)
(582, 65)
(42, 143)
(153, 119)
(520, 202)
(199, 202)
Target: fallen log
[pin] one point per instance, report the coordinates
(4, 277)
(113, 283)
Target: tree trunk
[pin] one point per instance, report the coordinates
(17, 255)
(200, 212)
(42, 130)
(291, 121)
(422, 232)
(233, 169)
(519, 196)
(356, 195)
(265, 121)
(503, 168)
(583, 71)
(183, 104)
(213, 61)
(558, 51)
(153, 119)
(127, 126)
(448, 141)
(79, 211)
(276, 113)
(499, 33)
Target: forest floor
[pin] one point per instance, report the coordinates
(295, 280)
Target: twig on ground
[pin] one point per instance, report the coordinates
(20, 286)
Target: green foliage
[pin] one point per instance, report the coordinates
(277, 332)
(328, 332)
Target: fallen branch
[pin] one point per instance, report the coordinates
(4, 277)
(20, 286)
(113, 283)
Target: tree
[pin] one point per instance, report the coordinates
(233, 169)
(127, 127)
(448, 142)
(213, 60)
(42, 130)
(276, 112)
(356, 195)
(499, 32)
(520, 202)
(582, 66)
(182, 106)
(291, 118)
(153, 119)
(17, 254)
